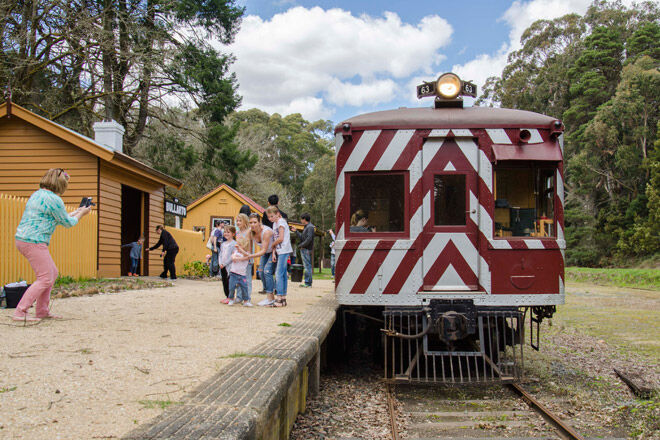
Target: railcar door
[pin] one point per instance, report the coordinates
(450, 257)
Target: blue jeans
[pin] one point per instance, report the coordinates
(135, 262)
(248, 278)
(266, 268)
(281, 275)
(214, 267)
(332, 264)
(238, 283)
(306, 255)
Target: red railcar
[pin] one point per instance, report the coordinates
(452, 217)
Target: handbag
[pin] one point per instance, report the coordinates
(209, 244)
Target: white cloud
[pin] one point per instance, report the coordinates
(374, 92)
(519, 16)
(315, 57)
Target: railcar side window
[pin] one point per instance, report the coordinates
(524, 200)
(377, 202)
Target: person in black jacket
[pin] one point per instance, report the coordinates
(170, 248)
(306, 246)
(273, 200)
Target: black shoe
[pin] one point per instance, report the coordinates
(163, 276)
(173, 278)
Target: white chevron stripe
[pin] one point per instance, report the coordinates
(485, 222)
(486, 171)
(536, 136)
(429, 150)
(355, 268)
(560, 232)
(354, 161)
(461, 132)
(390, 265)
(561, 143)
(440, 241)
(560, 188)
(426, 204)
(360, 151)
(415, 170)
(394, 149)
(498, 136)
(534, 244)
(474, 206)
(416, 224)
(484, 275)
(470, 150)
(439, 133)
(500, 244)
(414, 281)
(450, 280)
(562, 290)
(449, 167)
(341, 235)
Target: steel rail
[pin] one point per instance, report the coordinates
(390, 406)
(565, 431)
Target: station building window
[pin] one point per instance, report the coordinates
(524, 200)
(377, 203)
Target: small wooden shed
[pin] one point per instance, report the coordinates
(222, 203)
(129, 194)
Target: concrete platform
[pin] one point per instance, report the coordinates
(256, 396)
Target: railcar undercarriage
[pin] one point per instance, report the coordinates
(454, 341)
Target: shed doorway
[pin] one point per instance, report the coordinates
(133, 223)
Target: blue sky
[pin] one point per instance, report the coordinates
(335, 59)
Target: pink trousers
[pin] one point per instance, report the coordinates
(44, 267)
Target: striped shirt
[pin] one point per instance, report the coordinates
(43, 211)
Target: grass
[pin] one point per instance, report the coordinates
(7, 389)
(634, 278)
(625, 319)
(325, 274)
(284, 324)
(64, 281)
(162, 404)
(242, 355)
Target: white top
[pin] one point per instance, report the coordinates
(285, 246)
(269, 248)
(332, 245)
(238, 267)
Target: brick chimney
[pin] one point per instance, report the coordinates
(109, 134)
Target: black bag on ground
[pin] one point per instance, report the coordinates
(13, 295)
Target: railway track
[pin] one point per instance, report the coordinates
(490, 411)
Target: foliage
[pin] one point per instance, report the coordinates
(195, 269)
(599, 73)
(319, 190)
(76, 61)
(287, 149)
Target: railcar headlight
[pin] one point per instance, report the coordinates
(448, 86)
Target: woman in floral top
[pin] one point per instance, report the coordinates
(43, 212)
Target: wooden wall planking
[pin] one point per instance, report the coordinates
(27, 152)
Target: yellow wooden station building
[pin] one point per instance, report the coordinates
(129, 195)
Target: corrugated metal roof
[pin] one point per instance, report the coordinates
(470, 117)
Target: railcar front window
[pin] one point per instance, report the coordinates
(524, 201)
(377, 203)
(449, 199)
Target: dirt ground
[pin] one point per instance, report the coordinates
(117, 360)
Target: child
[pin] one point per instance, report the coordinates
(135, 254)
(237, 274)
(226, 251)
(281, 251)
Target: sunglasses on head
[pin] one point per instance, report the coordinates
(60, 171)
(254, 215)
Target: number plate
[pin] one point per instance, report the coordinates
(468, 89)
(426, 89)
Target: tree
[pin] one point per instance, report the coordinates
(599, 73)
(319, 190)
(77, 61)
(287, 149)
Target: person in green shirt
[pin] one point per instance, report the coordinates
(43, 212)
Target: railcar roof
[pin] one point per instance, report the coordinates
(470, 117)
